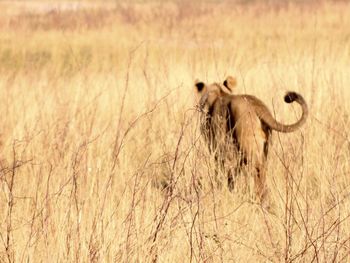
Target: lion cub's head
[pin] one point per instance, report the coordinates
(207, 94)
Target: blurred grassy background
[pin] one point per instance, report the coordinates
(98, 117)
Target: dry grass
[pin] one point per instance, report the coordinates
(101, 158)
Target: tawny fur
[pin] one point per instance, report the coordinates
(238, 127)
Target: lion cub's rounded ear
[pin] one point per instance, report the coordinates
(230, 82)
(199, 85)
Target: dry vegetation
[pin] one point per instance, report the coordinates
(101, 158)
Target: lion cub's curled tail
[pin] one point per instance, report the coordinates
(290, 97)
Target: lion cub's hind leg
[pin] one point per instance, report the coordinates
(260, 180)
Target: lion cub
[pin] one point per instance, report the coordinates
(238, 127)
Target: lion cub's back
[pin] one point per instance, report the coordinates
(248, 127)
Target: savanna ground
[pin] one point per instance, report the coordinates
(101, 156)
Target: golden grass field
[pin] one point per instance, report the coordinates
(101, 156)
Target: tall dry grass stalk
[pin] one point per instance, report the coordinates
(101, 157)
